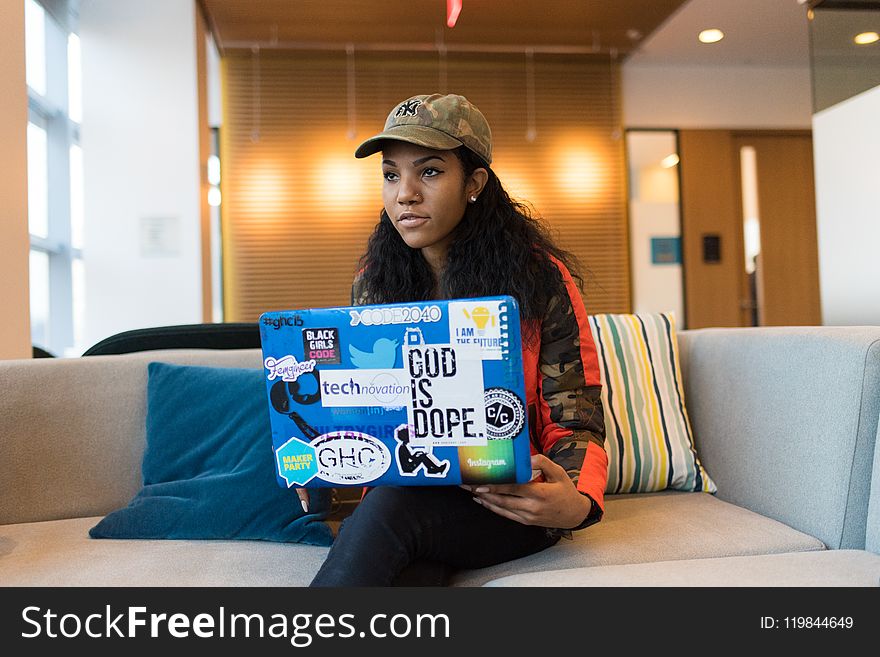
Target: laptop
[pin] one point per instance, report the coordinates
(414, 394)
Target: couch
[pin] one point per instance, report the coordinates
(785, 421)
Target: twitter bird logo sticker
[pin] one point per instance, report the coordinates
(382, 357)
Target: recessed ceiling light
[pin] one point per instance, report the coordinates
(865, 38)
(711, 36)
(633, 34)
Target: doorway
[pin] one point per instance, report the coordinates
(749, 228)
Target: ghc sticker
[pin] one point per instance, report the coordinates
(350, 457)
(297, 462)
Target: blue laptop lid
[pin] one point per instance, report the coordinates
(428, 393)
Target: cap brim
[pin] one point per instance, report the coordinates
(414, 134)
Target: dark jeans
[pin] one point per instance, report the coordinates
(431, 529)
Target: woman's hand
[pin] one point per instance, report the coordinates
(303, 494)
(553, 502)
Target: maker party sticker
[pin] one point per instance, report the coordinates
(297, 462)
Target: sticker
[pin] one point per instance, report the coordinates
(321, 345)
(494, 463)
(396, 315)
(446, 406)
(287, 368)
(505, 414)
(411, 459)
(343, 411)
(305, 390)
(297, 462)
(384, 432)
(382, 355)
(350, 457)
(478, 323)
(413, 335)
(385, 388)
(279, 321)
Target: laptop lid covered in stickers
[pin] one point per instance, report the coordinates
(428, 393)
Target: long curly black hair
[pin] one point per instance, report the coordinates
(499, 247)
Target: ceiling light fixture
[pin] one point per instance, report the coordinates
(865, 38)
(453, 9)
(669, 161)
(711, 36)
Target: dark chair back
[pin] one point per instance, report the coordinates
(239, 335)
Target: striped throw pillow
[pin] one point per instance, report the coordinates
(647, 431)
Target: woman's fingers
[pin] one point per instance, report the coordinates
(303, 498)
(511, 502)
(501, 510)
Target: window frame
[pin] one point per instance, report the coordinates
(50, 111)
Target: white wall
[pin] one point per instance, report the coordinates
(653, 213)
(703, 97)
(141, 160)
(656, 288)
(846, 147)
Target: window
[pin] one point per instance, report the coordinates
(55, 175)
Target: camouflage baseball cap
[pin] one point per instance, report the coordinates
(442, 122)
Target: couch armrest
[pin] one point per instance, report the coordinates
(785, 420)
(872, 534)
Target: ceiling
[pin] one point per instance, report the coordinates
(758, 32)
(587, 26)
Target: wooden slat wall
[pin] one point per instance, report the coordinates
(298, 207)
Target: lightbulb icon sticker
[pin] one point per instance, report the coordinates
(478, 323)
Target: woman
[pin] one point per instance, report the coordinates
(449, 230)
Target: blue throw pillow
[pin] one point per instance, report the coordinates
(209, 468)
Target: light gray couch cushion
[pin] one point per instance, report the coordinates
(637, 528)
(656, 527)
(72, 432)
(785, 421)
(60, 553)
(827, 568)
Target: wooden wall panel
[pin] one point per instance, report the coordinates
(298, 207)
(204, 153)
(789, 261)
(710, 205)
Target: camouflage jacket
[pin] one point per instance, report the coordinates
(563, 386)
